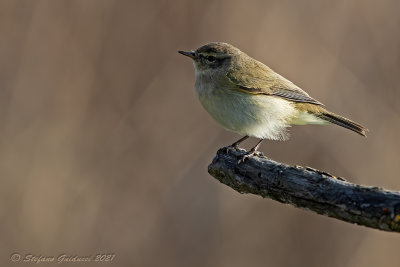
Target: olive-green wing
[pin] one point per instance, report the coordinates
(265, 81)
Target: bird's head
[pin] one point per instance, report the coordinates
(212, 57)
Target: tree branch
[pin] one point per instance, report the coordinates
(308, 189)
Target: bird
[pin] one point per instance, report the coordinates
(247, 97)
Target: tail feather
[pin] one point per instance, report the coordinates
(342, 121)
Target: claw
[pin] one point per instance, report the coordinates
(247, 155)
(251, 153)
(235, 147)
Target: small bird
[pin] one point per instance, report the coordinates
(247, 97)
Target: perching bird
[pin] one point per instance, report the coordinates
(247, 97)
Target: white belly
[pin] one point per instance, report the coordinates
(260, 116)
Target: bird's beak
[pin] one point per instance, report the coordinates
(190, 54)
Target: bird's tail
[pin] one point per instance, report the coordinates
(342, 121)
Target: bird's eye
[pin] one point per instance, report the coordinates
(211, 59)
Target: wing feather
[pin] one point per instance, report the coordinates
(265, 81)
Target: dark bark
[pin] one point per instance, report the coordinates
(309, 189)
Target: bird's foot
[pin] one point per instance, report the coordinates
(226, 149)
(248, 155)
(251, 153)
(234, 147)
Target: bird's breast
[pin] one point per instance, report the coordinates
(255, 115)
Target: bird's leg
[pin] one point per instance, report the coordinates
(236, 144)
(250, 153)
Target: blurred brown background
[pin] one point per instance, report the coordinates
(104, 146)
